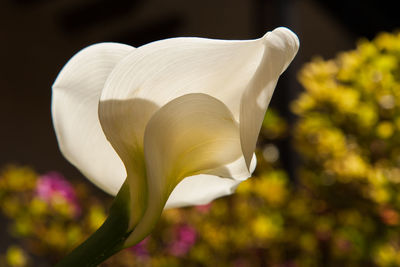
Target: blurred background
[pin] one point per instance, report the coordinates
(325, 191)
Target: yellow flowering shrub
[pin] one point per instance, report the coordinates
(348, 137)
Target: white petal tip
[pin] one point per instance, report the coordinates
(289, 38)
(287, 32)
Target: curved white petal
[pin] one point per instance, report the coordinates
(227, 70)
(124, 123)
(75, 98)
(166, 69)
(281, 45)
(192, 134)
(202, 188)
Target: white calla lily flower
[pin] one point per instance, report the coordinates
(177, 119)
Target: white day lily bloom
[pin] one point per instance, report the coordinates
(177, 118)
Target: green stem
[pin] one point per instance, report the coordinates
(107, 240)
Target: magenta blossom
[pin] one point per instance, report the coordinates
(185, 239)
(53, 188)
(140, 249)
(204, 208)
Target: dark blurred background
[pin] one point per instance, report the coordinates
(39, 36)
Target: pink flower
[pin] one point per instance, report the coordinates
(52, 187)
(140, 249)
(204, 208)
(186, 237)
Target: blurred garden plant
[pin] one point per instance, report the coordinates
(48, 214)
(348, 136)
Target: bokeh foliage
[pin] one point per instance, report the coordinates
(341, 209)
(348, 136)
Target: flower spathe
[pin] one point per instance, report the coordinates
(177, 118)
